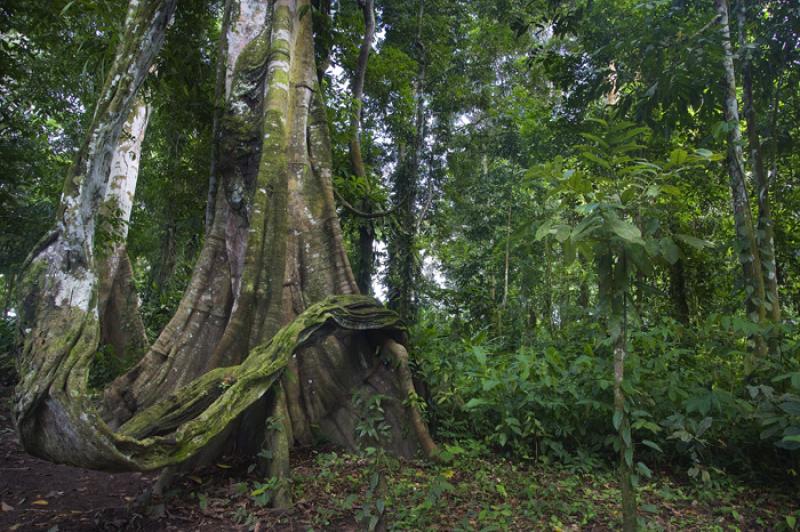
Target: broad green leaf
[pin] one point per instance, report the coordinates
(791, 407)
(543, 230)
(653, 445)
(475, 402)
(695, 242)
(625, 230)
(669, 250)
(617, 419)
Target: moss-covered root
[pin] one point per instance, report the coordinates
(187, 422)
(400, 355)
(278, 441)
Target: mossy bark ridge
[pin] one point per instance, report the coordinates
(271, 325)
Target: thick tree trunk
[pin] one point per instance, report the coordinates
(59, 305)
(747, 246)
(765, 233)
(259, 293)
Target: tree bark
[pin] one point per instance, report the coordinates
(118, 302)
(765, 233)
(677, 292)
(747, 246)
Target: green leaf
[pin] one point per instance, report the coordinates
(475, 402)
(570, 249)
(653, 445)
(629, 456)
(488, 384)
(669, 250)
(596, 159)
(678, 156)
(543, 230)
(626, 436)
(595, 138)
(562, 232)
(791, 407)
(501, 489)
(617, 419)
(696, 243)
(625, 230)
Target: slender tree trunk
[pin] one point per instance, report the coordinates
(765, 234)
(366, 228)
(219, 105)
(677, 292)
(747, 246)
(507, 261)
(613, 282)
(403, 253)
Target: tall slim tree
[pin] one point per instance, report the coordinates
(746, 244)
(765, 232)
(366, 228)
(403, 272)
(118, 302)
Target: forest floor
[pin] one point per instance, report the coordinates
(333, 491)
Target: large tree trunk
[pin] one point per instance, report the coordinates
(117, 301)
(59, 299)
(260, 293)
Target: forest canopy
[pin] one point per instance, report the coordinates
(562, 233)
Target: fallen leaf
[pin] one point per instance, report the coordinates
(224, 466)
(199, 480)
(6, 507)
(40, 502)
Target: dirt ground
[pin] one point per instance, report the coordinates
(39, 495)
